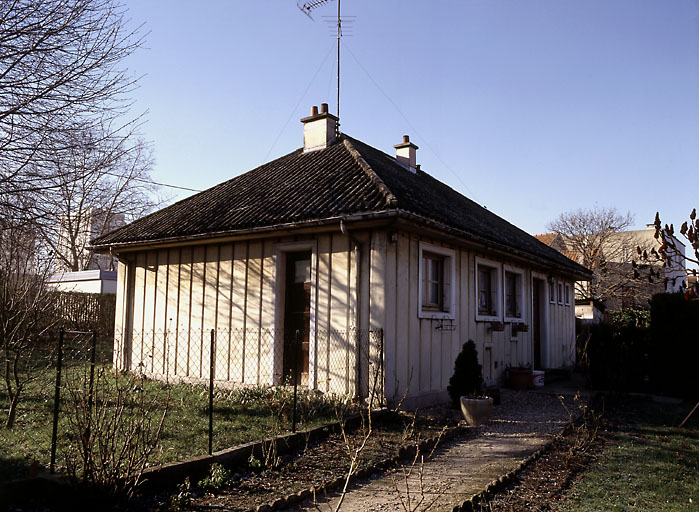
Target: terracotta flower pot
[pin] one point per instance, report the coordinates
(476, 411)
(520, 377)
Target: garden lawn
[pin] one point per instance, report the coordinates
(648, 464)
(239, 416)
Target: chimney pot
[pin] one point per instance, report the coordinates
(406, 138)
(323, 108)
(314, 110)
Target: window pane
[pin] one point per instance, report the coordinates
(485, 295)
(434, 293)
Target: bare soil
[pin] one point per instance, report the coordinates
(320, 462)
(541, 485)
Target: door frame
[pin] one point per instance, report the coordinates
(545, 337)
(280, 251)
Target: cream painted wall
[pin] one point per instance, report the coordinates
(236, 289)
(169, 300)
(420, 352)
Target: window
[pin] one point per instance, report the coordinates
(433, 282)
(486, 302)
(552, 292)
(514, 301)
(560, 292)
(435, 278)
(567, 294)
(488, 294)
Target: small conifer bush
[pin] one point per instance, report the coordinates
(468, 374)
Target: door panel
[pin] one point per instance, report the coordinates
(297, 316)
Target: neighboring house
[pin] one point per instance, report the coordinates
(339, 241)
(589, 311)
(78, 269)
(617, 253)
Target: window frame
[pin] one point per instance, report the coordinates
(519, 292)
(552, 291)
(496, 296)
(559, 291)
(446, 310)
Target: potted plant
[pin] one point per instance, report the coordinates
(466, 386)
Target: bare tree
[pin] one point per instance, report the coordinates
(62, 76)
(24, 304)
(61, 70)
(597, 239)
(108, 185)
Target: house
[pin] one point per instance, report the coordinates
(383, 270)
(614, 286)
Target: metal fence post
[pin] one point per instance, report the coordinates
(56, 400)
(90, 395)
(211, 391)
(296, 378)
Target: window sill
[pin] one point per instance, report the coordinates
(487, 318)
(436, 315)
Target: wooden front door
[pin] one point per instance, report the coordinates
(297, 316)
(537, 290)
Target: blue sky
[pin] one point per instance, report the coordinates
(529, 107)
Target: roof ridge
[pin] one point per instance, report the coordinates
(390, 198)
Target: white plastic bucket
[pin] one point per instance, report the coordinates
(538, 379)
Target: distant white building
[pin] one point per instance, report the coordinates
(85, 281)
(618, 253)
(78, 268)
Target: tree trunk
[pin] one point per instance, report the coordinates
(12, 414)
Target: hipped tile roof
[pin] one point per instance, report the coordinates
(348, 177)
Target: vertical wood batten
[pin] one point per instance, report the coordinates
(223, 312)
(271, 346)
(402, 304)
(120, 327)
(323, 316)
(173, 293)
(209, 305)
(413, 338)
(252, 312)
(238, 312)
(138, 309)
(394, 387)
(339, 338)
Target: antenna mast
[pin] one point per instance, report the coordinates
(306, 8)
(339, 34)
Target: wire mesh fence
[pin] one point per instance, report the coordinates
(194, 391)
(342, 362)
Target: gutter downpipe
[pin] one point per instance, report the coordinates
(356, 247)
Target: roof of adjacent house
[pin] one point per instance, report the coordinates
(347, 178)
(546, 238)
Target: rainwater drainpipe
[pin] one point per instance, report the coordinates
(356, 247)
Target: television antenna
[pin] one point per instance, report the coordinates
(307, 8)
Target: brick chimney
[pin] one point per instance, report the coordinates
(405, 154)
(319, 130)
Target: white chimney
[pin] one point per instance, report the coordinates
(405, 154)
(319, 130)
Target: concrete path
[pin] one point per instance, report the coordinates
(522, 424)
